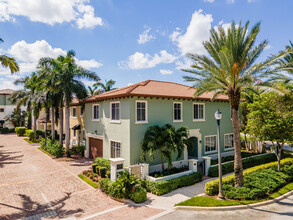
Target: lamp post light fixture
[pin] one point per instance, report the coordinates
(218, 116)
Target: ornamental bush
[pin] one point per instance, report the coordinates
(4, 130)
(52, 147)
(100, 161)
(20, 131)
(212, 187)
(246, 163)
(165, 186)
(139, 194)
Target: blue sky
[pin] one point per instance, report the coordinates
(129, 41)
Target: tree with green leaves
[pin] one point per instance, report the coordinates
(105, 87)
(67, 76)
(230, 68)
(164, 140)
(271, 119)
(9, 62)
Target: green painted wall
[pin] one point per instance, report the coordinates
(160, 112)
(111, 131)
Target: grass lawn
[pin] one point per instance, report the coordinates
(212, 202)
(88, 181)
(41, 149)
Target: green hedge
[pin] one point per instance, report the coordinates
(6, 130)
(212, 187)
(52, 147)
(166, 186)
(246, 163)
(20, 131)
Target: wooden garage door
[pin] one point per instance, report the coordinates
(96, 147)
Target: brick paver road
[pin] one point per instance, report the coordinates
(35, 186)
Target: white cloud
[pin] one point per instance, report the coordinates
(32, 52)
(183, 64)
(144, 61)
(230, 1)
(51, 11)
(210, 1)
(166, 72)
(145, 36)
(197, 32)
(89, 64)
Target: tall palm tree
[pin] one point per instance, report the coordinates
(66, 76)
(105, 87)
(230, 69)
(9, 62)
(93, 91)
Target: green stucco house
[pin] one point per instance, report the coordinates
(116, 121)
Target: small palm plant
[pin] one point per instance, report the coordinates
(164, 140)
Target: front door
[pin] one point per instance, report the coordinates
(96, 147)
(192, 147)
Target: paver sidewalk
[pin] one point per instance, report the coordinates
(35, 186)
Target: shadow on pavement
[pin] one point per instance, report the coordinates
(32, 208)
(6, 157)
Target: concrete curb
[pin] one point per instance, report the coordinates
(236, 207)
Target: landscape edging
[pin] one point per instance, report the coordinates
(236, 207)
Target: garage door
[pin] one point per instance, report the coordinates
(96, 147)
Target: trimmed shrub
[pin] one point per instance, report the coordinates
(53, 147)
(20, 131)
(80, 148)
(30, 134)
(40, 134)
(139, 194)
(247, 163)
(212, 187)
(104, 185)
(4, 130)
(94, 169)
(100, 161)
(101, 171)
(166, 186)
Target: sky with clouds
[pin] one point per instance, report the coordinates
(129, 41)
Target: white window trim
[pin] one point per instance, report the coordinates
(228, 149)
(111, 140)
(146, 112)
(204, 108)
(210, 152)
(181, 104)
(75, 112)
(93, 109)
(115, 121)
(81, 115)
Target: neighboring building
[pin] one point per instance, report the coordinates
(6, 107)
(116, 121)
(77, 128)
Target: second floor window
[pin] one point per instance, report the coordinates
(81, 111)
(74, 112)
(96, 112)
(198, 112)
(177, 111)
(115, 111)
(141, 111)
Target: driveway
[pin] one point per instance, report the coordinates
(35, 186)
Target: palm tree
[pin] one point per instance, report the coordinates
(164, 140)
(93, 91)
(66, 75)
(230, 69)
(8, 62)
(108, 86)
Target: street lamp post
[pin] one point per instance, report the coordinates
(218, 116)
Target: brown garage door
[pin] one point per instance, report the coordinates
(96, 147)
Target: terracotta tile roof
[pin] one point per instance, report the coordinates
(6, 91)
(153, 88)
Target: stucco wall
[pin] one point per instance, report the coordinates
(160, 112)
(111, 131)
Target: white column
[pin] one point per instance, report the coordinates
(117, 165)
(145, 170)
(207, 164)
(192, 165)
(87, 150)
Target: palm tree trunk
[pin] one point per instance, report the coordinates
(61, 125)
(46, 128)
(162, 159)
(35, 123)
(52, 123)
(67, 131)
(238, 170)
